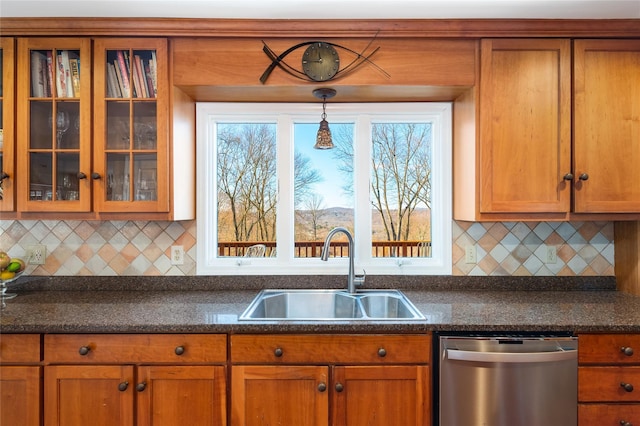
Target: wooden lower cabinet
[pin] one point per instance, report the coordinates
(159, 380)
(609, 380)
(321, 380)
(20, 380)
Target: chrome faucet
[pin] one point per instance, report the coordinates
(352, 279)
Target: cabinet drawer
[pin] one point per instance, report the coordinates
(19, 348)
(608, 414)
(135, 348)
(609, 349)
(330, 349)
(608, 384)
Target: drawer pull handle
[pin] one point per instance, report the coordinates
(625, 423)
(179, 350)
(382, 352)
(84, 350)
(627, 386)
(141, 386)
(627, 350)
(123, 386)
(278, 352)
(322, 387)
(339, 387)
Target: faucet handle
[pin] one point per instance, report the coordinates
(359, 279)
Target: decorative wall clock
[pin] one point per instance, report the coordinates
(320, 61)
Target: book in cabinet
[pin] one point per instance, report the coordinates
(131, 125)
(7, 140)
(54, 111)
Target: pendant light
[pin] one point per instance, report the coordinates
(323, 138)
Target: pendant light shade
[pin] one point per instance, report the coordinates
(323, 138)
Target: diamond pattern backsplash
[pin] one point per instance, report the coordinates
(143, 248)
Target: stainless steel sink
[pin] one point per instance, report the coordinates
(327, 305)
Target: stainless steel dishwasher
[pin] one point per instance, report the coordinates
(508, 380)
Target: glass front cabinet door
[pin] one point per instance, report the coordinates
(7, 158)
(131, 116)
(54, 135)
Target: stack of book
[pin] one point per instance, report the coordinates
(57, 74)
(132, 77)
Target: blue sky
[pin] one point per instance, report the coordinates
(322, 160)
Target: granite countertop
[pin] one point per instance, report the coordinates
(59, 305)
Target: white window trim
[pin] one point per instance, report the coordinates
(208, 114)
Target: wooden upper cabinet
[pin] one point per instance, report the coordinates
(54, 136)
(131, 125)
(607, 125)
(7, 137)
(525, 126)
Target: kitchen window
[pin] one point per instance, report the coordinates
(267, 199)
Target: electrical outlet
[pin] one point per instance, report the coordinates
(37, 254)
(552, 255)
(470, 254)
(177, 255)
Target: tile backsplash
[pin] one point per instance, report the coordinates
(143, 248)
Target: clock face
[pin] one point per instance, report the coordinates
(320, 62)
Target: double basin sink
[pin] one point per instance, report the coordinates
(336, 305)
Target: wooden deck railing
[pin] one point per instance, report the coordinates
(338, 248)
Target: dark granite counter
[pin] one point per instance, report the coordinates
(193, 305)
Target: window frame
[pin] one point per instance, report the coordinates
(362, 115)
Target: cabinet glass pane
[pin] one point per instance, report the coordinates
(118, 125)
(144, 125)
(41, 176)
(67, 125)
(41, 126)
(67, 177)
(131, 74)
(55, 73)
(146, 180)
(118, 185)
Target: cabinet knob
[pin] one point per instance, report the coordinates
(627, 386)
(382, 352)
(123, 386)
(339, 387)
(95, 176)
(3, 176)
(627, 350)
(141, 386)
(322, 387)
(568, 176)
(584, 176)
(81, 175)
(84, 350)
(278, 352)
(179, 350)
(625, 423)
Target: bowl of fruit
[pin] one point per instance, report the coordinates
(10, 270)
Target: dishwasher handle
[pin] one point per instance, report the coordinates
(520, 357)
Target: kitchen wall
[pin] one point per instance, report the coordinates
(142, 248)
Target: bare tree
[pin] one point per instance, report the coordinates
(316, 212)
(401, 172)
(247, 186)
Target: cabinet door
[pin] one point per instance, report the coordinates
(97, 395)
(131, 105)
(54, 112)
(607, 125)
(280, 395)
(525, 126)
(7, 139)
(174, 395)
(381, 395)
(20, 395)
